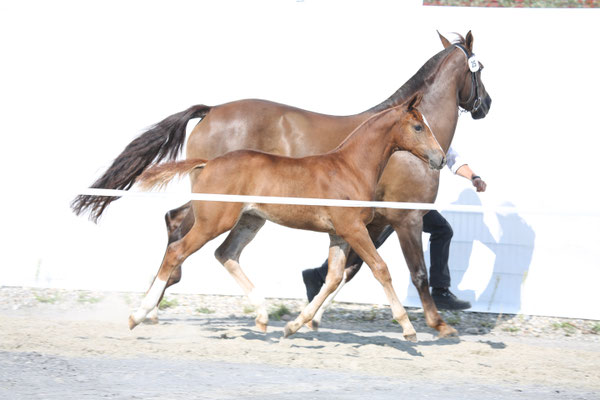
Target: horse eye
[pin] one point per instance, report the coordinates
(418, 128)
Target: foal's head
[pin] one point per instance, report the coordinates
(411, 132)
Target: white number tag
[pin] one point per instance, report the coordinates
(473, 64)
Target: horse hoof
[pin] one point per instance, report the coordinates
(287, 331)
(132, 323)
(314, 325)
(447, 331)
(151, 321)
(411, 337)
(261, 326)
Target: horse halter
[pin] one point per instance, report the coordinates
(474, 67)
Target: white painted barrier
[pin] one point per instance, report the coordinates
(234, 198)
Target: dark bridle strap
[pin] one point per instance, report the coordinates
(464, 49)
(474, 82)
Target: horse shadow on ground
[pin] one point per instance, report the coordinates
(311, 340)
(232, 327)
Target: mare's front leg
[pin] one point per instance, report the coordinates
(179, 222)
(229, 253)
(358, 238)
(338, 251)
(410, 236)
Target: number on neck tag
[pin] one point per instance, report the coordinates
(473, 63)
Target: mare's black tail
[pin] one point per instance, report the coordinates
(162, 141)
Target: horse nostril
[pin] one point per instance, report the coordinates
(437, 163)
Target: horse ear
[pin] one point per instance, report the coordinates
(415, 101)
(445, 42)
(469, 42)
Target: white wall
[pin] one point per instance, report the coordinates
(80, 80)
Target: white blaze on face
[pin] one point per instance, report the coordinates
(429, 126)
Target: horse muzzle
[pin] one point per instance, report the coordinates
(437, 161)
(481, 111)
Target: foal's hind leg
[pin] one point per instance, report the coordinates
(338, 250)
(229, 253)
(215, 219)
(358, 238)
(179, 222)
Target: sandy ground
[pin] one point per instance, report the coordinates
(68, 345)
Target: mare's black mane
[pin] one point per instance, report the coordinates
(415, 83)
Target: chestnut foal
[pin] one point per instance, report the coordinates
(351, 171)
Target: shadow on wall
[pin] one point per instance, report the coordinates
(490, 255)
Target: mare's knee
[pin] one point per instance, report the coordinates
(419, 279)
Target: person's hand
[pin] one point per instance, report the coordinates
(479, 184)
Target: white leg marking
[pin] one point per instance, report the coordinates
(150, 300)
(258, 301)
(153, 314)
(256, 298)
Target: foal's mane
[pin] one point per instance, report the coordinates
(417, 81)
(365, 123)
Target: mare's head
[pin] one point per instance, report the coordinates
(411, 132)
(472, 96)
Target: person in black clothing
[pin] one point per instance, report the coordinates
(439, 245)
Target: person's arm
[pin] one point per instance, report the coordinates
(459, 167)
(466, 172)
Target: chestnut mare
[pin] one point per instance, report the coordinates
(351, 171)
(447, 84)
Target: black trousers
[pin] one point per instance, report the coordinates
(439, 248)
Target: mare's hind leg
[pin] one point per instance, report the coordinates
(229, 253)
(410, 236)
(358, 238)
(211, 219)
(179, 222)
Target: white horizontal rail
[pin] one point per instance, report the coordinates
(232, 198)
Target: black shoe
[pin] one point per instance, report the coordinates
(445, 300)
(313, 282)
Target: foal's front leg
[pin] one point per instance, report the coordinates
(378, 233)
(179, 222)
(361, 243)
(338, 251)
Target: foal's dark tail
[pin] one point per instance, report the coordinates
(162, 141)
